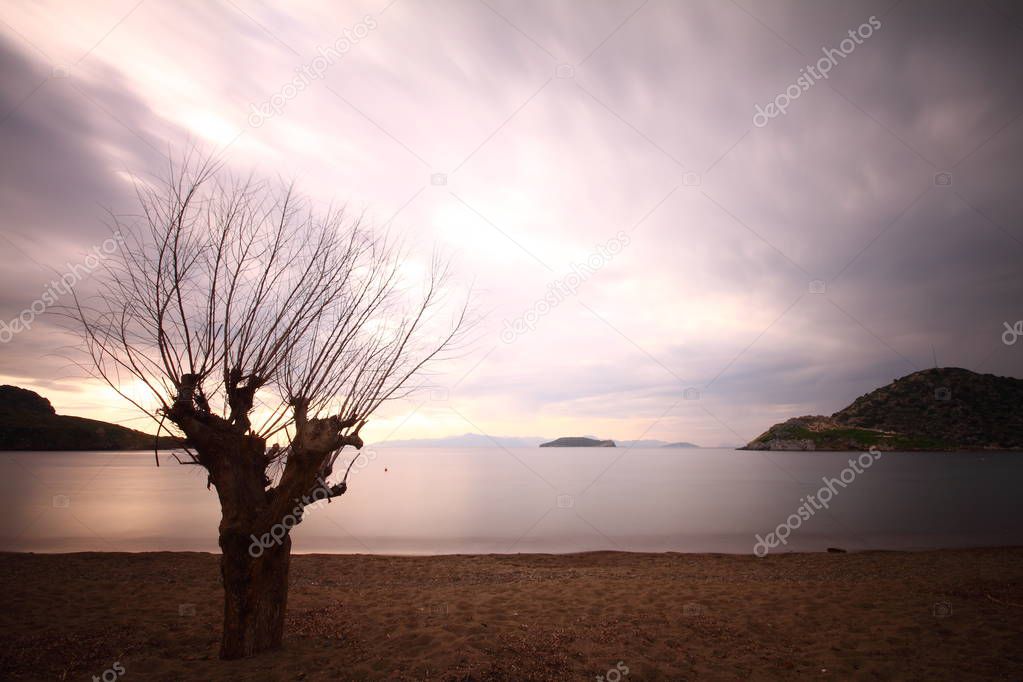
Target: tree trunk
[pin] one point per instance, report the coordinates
(255, 594)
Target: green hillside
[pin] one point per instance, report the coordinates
(935, 409)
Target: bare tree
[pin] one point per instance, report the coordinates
(267, 336)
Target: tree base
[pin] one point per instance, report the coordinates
(255, 596)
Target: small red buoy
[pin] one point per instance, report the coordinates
(385, 470)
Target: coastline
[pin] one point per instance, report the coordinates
(962, 450)
(937, 614)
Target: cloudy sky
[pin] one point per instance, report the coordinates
(773, 268)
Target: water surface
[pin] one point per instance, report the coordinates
(435, 501)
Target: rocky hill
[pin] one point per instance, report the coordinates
(29, 422)
(945, 408)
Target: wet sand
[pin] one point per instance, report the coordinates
(955, 614)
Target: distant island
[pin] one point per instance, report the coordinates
(941, 409)
(578, 442)
(29, 422)
(479, 440)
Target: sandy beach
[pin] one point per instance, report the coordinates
(955, 614)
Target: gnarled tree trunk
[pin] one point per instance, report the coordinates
(255, 555)
(255, 595)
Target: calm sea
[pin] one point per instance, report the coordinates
(435, 501)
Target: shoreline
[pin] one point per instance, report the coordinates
(929, 614)
(964, 450)
(498, 555)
